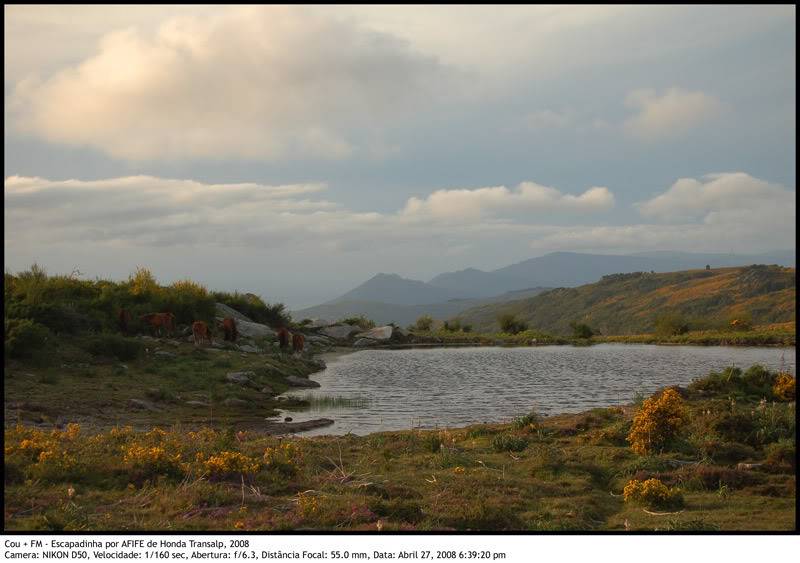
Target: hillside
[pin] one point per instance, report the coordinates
(396, 290)
(630, 303)
(570, 269)
(384, 313)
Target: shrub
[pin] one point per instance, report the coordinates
(228, 463)
(255, 308)
(424, 323)
(784, 387)
(528, 422)
(509, 443)
(581, 330)
(285, 458)
(24, 337)
(114, 345)
(453, 325)
(657, 422)
(360, 321)
(671, 324)
(148, 461)
(509, 323)
(782, 453)
(652, 493)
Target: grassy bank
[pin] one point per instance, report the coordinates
(783, 334)
(576, 472)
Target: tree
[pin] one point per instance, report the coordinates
(509, 323)
(581, 330)
(424, 323)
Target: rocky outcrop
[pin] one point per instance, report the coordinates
(249, 348)
(363, 342)
(223, 311)
(289, 427)
(377, 333)
(249, 329)
(295, 381)
(340, 332)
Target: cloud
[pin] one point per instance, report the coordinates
(254, 82)
(549, 119)
(671, 114)
(526, 197)
(720, 198)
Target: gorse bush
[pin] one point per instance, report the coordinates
(652, 493)
(23, 337)
(784, 387)
(657, 422)
(756, 383)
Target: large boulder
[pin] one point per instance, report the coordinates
(249, 329)
(362, 342)
(377, 333)
(340, 332)
(225, 311)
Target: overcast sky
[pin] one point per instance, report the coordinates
(296, 151)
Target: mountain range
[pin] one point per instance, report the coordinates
(391, 298)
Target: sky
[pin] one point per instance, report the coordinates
(296, 151)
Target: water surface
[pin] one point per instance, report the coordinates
(445, 387)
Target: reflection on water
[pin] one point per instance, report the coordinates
(447, 387)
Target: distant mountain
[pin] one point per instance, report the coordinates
(630, 303)
(403, 315)
(570, 269)
(393, 289)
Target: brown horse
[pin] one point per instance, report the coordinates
(124, 317)
(229, 326)
(201, 332)
(160, 323)
(283, 338)
(298, 341)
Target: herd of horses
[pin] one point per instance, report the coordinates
(163, 324)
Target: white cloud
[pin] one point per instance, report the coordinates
(526, 197)
(720, 198)
(673, 113)
(246, 83)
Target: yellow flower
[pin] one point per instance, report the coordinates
(657, 422)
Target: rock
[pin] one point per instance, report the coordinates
(362, 342)
(319, 323)
(287, 427)
(231, 402)
(164, 354)
(173, 343)
(318, 339)
(340, 332)
(197, 403)
(224, 311)
(295, 381)
(139, 404)
(240, 377)
(377, 333)
(267, 390)
(287, 419)
(145, 337)
(253, 330)
(123, 366)
(249, 348)
(748, 466)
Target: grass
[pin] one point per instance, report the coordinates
(539, 474)
(782, 334)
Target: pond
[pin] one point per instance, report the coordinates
(378, 390)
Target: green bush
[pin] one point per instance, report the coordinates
(671, 324)
(252, 306)
(360, 321)
(509, 443)
(59, 318)
(424, 323)
(581, 330)
(782, 452)
(114, 345)
(509, 323)
(24, 337)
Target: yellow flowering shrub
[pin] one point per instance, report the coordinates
(657, 422)
(152, 460)
(227, 463)
(285, 458)
(307, 505)
(652, 493)
(784, 387)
